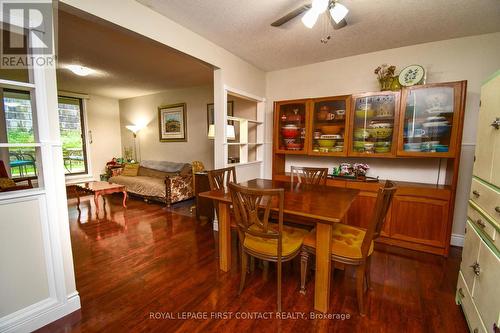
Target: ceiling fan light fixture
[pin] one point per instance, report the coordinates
(338, 12)
(319, 6)
(310, 18)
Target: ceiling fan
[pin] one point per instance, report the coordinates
(337, 13)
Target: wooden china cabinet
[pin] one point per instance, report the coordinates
(422, 121)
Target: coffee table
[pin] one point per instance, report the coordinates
(97, 189)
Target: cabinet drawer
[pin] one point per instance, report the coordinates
(470, 311)
(470, 255)
(487, 198)
(481, 222)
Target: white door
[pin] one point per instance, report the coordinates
(487, 161)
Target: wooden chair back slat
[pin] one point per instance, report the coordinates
(252, 207)
(384, 199)
(310, 176)
(220, 178)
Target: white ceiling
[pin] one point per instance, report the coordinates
(127, 64)
(243, 27)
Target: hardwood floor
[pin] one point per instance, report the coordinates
(145, 261)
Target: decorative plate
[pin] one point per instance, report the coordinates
(411, 75)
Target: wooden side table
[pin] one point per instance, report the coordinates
(204, 206)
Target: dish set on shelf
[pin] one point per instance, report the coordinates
(426, 134)
(374, 125)
(293, 132)
(327, 138)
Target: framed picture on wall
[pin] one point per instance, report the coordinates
(210, 113)
(172, 122)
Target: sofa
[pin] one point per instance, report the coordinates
(168, 182)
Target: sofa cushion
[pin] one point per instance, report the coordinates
(165, 166)
(130, 169)
(147, 172)
(146, 186)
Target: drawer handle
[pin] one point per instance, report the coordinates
(481, 223)
(497, 209)
(461, 292)
(475, 330)
(496, 123)
(476, 193)
(476, 268)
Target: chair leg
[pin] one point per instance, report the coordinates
(279, 285)
(244, 260)
(304, 258)
(265, 270)
(367, 272)
(216, 243)
(360, 278)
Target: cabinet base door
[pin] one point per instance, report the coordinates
(420, 220)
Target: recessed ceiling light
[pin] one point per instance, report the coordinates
(80, 70)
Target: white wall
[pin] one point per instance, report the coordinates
(143, 110)
(103, 117)
(471, 58)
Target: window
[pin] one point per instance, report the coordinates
(72, 135)
(19, 125)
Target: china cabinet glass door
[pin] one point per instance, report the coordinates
(291, 127)
(373, 123)
(428, 123)
(329, 122)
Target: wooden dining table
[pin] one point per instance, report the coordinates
(316, 204)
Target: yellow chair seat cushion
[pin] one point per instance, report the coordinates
(6, 183)
(291, 241)
(346, 241)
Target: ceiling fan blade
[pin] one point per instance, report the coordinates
(290, 16)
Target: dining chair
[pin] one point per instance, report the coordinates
(258, 238)
(219, 179)
(351, 245)
(308, 175)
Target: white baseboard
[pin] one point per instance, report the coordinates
(457, 240)
(28, 322)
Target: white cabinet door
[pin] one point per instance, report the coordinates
(486, 293)
(470, 255)
(487, 150)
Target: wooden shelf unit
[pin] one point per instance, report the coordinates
(421, 215)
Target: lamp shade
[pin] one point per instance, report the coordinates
(211, 131)
(230, 132)
(310, 18)
(133, 128)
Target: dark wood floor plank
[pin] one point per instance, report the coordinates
(150, 259)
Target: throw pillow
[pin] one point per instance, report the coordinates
(6, 183)
(130, 169)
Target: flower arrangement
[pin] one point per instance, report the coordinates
(385, 75)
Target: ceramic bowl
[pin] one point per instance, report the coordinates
(331, 129)
(382, 150)
(361, 133)
(294, 146)
(290, 131)
(383, 144)
(360, 113)
(412, 146)
(359, 145)
(324, 143)
(381, 132)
